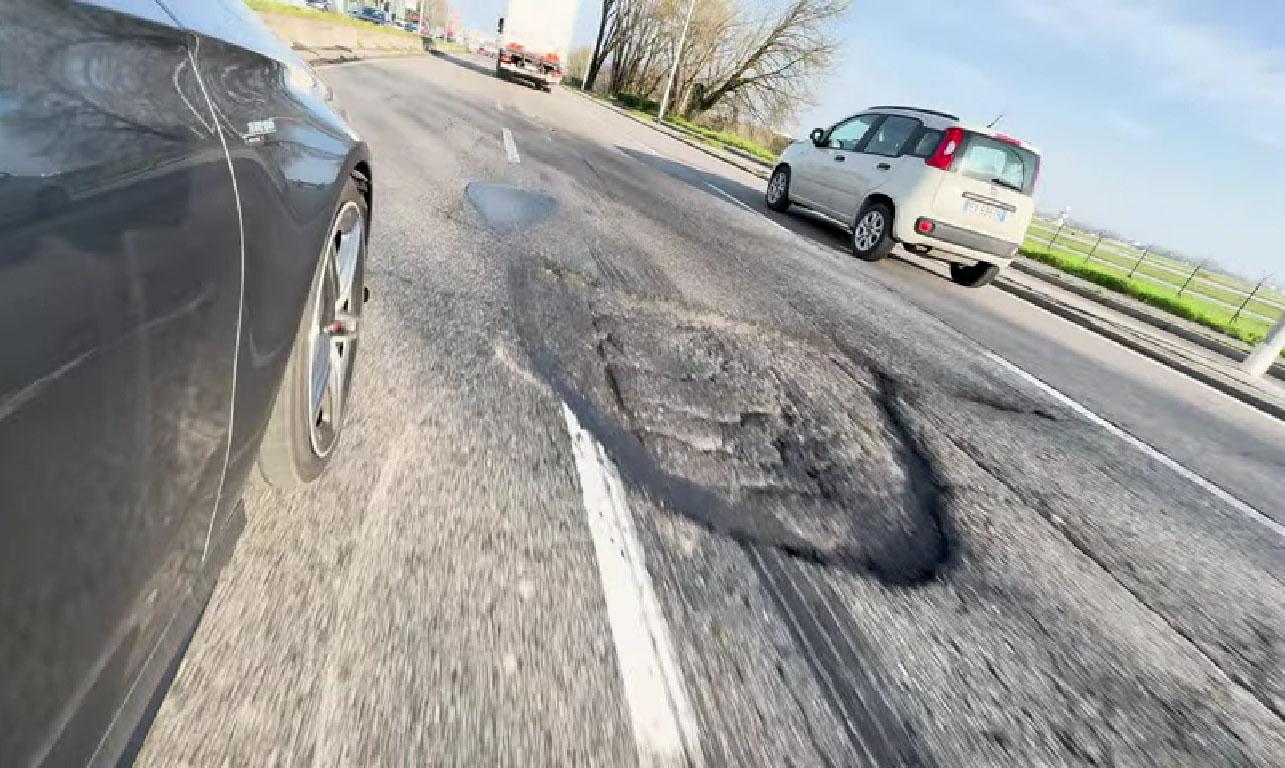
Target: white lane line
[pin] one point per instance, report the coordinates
(1208, 485)
(728, 195)
(499, 105)
(510, 149)
(664, 725)
(757, 213)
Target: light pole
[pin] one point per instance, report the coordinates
(1268, 352)
(673, 71)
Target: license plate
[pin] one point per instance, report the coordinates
(985, 211)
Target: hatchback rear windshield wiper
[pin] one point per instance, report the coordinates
(1008, 184)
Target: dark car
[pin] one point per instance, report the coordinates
(184, 219)
(373, 15)
(318, 5)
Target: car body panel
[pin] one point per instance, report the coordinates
(138, 142)
(121, 270)
(287, 148)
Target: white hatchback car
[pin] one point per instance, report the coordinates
(919, 178)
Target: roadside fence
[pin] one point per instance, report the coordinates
(1257, 300)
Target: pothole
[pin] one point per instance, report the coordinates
(508, 209)
(772, 440)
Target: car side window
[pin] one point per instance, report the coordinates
(848, 134)
(891, 136)
(927, 143)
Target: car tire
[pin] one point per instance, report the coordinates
(974, 275)
(307, 418)
(872, 232)
(777, 195)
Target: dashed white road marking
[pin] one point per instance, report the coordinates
(499, 105)
(1151, 452)
(664, 725)
(510, 149)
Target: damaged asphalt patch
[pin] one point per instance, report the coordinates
(806, 450)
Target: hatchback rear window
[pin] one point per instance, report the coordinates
(999, 162)
(927, 143)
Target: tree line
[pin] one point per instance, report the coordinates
(744, 60)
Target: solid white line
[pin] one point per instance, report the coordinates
(757, 213)
(511, 149)
(1208, 485)
(664, 726)
(728, 195)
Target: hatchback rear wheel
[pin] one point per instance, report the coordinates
(974, 275)
(872, 233)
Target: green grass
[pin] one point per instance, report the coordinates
(727, 139)
(1125, 257)
(449, 47)
(304, 12)
(647, 109)
(1188, 306)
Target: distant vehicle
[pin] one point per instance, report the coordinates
(409, 26)
(318, 5)
(372, 15)
(920, 178)
(187, 301)
(535, 37)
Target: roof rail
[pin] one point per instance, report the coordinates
(946, 115)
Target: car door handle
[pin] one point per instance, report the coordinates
(840, 158)
(884, 167)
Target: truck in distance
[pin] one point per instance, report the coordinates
(535, 39)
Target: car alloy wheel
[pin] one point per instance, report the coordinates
(776, 187)
(332, 341)
(869, 230)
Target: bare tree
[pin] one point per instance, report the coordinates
(766, 70)
(602, 45)
(744, 59)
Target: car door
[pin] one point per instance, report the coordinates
(834, 183)
(120, 286)
(291, 153)
(876, 161)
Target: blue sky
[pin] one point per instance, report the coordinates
(1163, 119)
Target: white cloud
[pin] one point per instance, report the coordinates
(1188, 59)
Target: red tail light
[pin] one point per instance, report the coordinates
(945, 154)
(506, 58)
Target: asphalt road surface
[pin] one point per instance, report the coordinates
(637, 475)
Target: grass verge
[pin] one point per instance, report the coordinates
(648, 109)
(1185, 307)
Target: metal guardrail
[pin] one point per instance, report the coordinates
(1183, 279)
